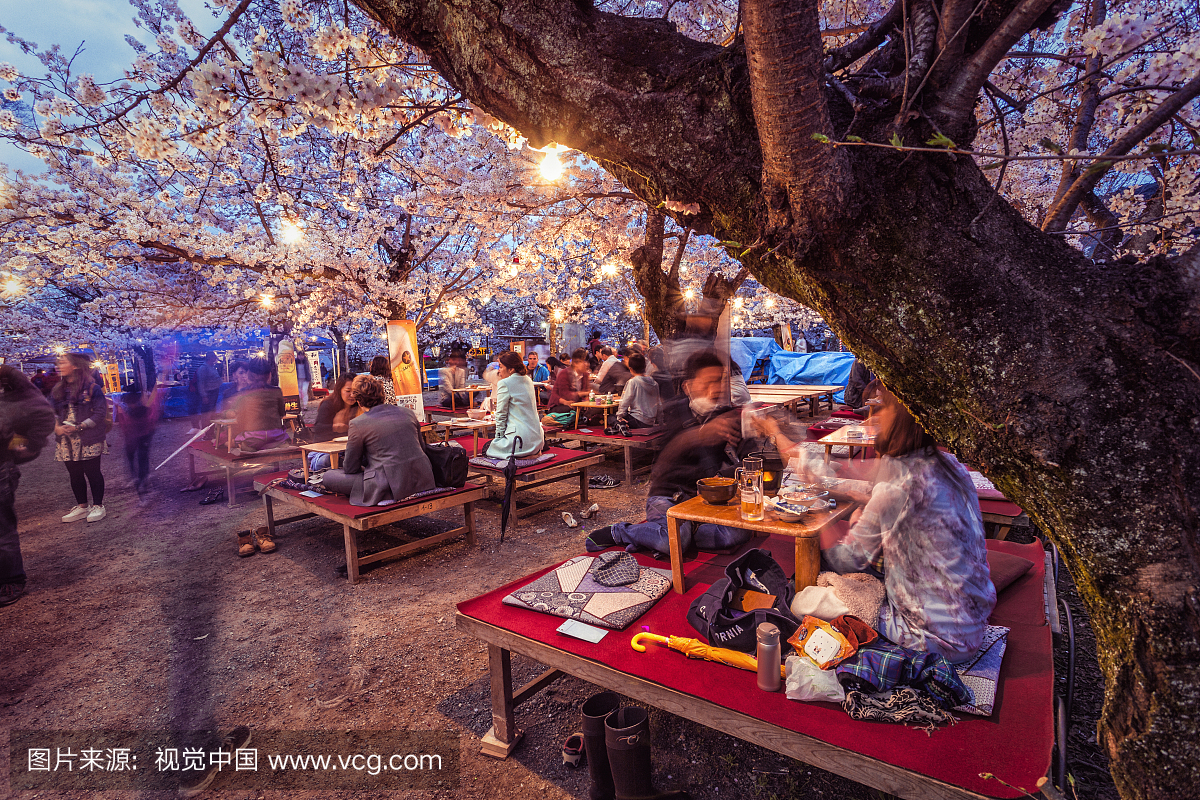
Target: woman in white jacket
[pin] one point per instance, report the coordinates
(516, 411)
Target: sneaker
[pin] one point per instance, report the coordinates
(11, 593)
(192, 431)
(265, 543)
(77, 513)
(96, 514)
(603, 482)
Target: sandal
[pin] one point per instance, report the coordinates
(215, 496)
(572, 750)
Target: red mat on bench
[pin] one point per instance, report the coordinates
(562, 455)
(340, 503)
(277, 454)
(1014, 743)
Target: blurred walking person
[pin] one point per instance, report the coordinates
(26, 419)
(138, 421)
(81, 411)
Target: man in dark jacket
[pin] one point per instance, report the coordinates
(26, 419)
(702, 441)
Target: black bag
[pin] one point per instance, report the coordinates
(449, 462)
(714, 617)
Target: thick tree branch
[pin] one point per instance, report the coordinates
(842, 57)
(1061, 212)
(805, 186)
(957, 106)
(1089, 100)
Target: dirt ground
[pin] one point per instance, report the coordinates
(149, 620)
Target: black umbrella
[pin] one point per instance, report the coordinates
(510, 477)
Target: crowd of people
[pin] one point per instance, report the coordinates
(918, 526)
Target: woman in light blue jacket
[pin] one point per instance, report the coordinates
(516, 411)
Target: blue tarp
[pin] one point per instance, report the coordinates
(810, 368)
(746, 351)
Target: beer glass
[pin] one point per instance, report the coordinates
(750, 485)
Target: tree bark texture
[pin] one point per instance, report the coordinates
(1074, 385)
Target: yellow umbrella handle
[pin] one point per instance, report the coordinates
(636, 643)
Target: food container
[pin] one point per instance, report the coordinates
(477, 414)
(716, 491)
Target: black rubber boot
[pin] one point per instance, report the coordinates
(595, 710)
(627, 734)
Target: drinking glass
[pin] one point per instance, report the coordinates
(750, 485)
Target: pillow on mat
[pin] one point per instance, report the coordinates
(1006, 568)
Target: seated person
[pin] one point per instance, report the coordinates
(701, 442)
(922, 529)
(855, 395)
(640, 405)
(258, 413)
(572, 384)
(239, 372)
(451, 379)
(382, 370)
(538, 373)
(613, 381)
(516, 412)
(336, 410)
(385, 458)
(607, 359)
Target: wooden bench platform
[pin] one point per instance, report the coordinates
(358, 518)
(232, 466)
(792, 396)
(592, 436)
(565, 465)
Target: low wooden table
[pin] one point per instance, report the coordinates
(842, 437)
(333, 448)
(356, 518)
(806, 533)
(582, 404)
(792, 396)
(628, 444)
(232, 466)
(475, 426)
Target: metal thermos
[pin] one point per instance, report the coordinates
(768, 657)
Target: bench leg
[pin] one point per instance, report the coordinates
(270, 509)
(628, 466)
(469, 521)
(808, 561)
(351, 554)
(503, 738)
(191, 469)
(583, 486)
(229, 493)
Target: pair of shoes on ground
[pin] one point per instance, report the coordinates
(602, 482)
(214, 496)
(257, 540)
(616, 743)
(11, 593)
(197, 782)
(90, 513)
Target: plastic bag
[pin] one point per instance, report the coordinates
(807, 681)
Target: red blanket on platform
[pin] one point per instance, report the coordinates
(1014, 743)
(340, 503)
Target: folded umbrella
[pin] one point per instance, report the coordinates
(510, 478)
(694, 648)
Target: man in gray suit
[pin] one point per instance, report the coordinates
(384, 460)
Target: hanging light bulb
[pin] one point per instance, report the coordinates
(770, 302)
(633, 308)
(266, 300)
(558, 315)
(608, 269)
(551, 167)
(291, 231)
(451, 310)
(738, 302)
(689, 294)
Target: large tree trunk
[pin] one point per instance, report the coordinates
(1074, 385)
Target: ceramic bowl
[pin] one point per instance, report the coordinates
(716, 491)
(477, 413)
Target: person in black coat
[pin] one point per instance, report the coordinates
(26, 420)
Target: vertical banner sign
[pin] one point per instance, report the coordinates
(406, 368)
(285, 365)
(314, 368)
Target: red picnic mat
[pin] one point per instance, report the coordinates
(1014, 743)
(562, 455)
(340, 503)
(223, 454)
